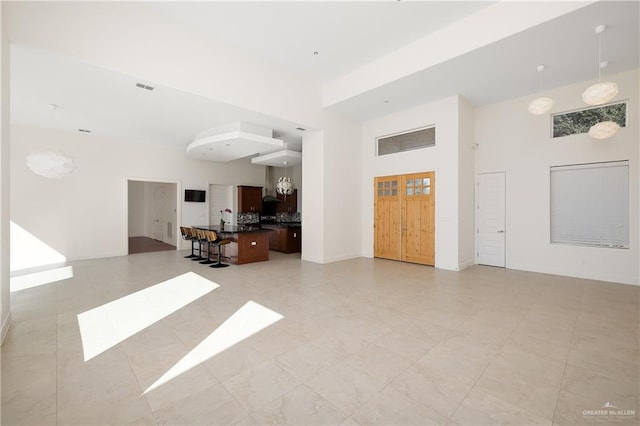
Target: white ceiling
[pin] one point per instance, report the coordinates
(346, 35)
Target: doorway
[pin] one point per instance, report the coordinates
(404, 217)
(152, 216)
(491, 219)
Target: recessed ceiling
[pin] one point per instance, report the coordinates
(285, 157)
(232, 142)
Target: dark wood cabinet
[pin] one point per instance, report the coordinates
(284, 239)
(249, 199)
(247, 247)
(288, 204)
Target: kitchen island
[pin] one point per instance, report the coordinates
(248, 243)
(286, 237)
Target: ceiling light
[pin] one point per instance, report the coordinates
(542, 104)
(285, 184)
(315, 53)
(604, 130)
(53, 165)
(601, 92)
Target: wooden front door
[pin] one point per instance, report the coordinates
(418, 245)
(404, 222)
(387, 220)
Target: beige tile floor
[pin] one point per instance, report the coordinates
(360, 342)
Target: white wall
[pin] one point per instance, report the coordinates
(5, 311)
(519, 143)
(92, 200)
(137, 215)
(313, 203)
(466, 184)
(442, 158)
(342, 188)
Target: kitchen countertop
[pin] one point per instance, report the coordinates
(281, 225)
(240, 229)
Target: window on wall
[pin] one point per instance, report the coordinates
(414, 139)
(580, 121)
(590, 204)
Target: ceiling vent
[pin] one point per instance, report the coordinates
(144, 86)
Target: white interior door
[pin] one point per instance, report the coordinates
(490, 219)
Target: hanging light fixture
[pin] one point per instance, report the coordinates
(285, 184)
(542, 104)
(601, 92)
(604, 129)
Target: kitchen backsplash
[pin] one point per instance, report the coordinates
(247, 218)
(288, 217)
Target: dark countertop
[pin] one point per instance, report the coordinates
(240, 229)
(281, 225)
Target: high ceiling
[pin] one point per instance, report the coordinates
(347, 37)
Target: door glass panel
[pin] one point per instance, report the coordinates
(380, 184)
(394, 192)
(427, 190)
(387, 184)
(418, 191)
(409, 191)
(394, 183)
(410, 182)
(387, 192)
(379, 192)
(418, 182)
(426, 181)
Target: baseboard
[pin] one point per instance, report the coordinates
(6, 323)
(567, 273)
(466, 264)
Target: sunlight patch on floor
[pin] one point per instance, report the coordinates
(245, 322)
(105, 326)
(35, 279)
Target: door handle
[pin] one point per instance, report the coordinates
(501, 232)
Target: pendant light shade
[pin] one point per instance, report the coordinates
(603, 91)
(285, 184)
(52, 165)
(542, 104)
(600, 93)
(604, 130)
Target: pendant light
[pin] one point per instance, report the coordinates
(285, 184)
(604, 129)
(601, 92)
(542, 104)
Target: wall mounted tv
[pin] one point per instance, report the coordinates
(194, 195)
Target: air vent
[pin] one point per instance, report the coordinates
(84, 130)
(144, 86)
(302, 129)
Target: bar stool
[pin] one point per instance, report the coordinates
(218, 243)
(186, 235)
(198, 236)
(209, 237)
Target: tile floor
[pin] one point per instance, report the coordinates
(360, 342)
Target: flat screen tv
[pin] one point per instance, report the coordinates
(194, 195)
